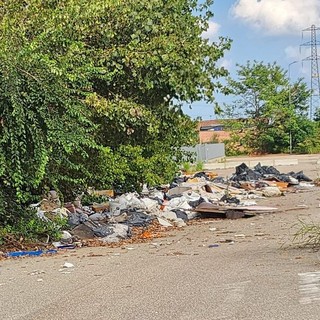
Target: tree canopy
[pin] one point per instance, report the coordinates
(91, 91)
(272, 110)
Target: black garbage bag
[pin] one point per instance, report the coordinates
(173, 185)
(227, 199)
(301, 176)
(219, 180)
(179, 180)
(75, 218)
(201, 174)
(242, 168)
(137, 218)
(181, 214)
(195, 203)
(284, 177)
(103, 231)
(250, 175)
(244, 173)
(259, 168)
(253, 175)
(263, 170)
(271, 170)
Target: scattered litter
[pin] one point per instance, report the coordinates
(213, 245)
(114, 233)
(302, 206)
(119, 220)
(226, 241)
(36, 272)
(35, 253)
(68, 265)
(60, 245)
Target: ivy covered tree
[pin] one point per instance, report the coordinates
(270, 110)
(91, 91)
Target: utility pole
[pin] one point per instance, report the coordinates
(289, 77)
(315, 82)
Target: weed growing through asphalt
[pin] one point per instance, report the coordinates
(308, 234)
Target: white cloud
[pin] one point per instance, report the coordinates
(212, 32)
(278, 17)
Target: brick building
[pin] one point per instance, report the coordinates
(212, 131)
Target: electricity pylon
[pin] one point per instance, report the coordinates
(315, 82)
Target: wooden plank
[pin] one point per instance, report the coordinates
(210, 207)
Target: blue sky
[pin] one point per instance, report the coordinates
(262, 30)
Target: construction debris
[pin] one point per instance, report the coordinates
(139, 217)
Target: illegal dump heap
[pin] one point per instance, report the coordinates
(115, 219)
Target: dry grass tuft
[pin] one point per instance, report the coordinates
(308, 234)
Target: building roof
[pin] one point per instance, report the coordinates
(208, 136)
(205, 123)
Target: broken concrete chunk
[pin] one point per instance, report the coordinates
(164, 222)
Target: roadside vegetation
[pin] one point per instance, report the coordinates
(307, 234)
(269, 114)
(91, 95)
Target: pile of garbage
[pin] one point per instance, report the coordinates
(187, 197)
(269, 173)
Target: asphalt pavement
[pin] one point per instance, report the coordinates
(244, 269)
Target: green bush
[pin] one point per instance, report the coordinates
(30, 228)
(199, 166)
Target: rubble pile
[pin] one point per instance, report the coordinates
(118, 218)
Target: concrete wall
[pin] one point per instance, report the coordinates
(207, 151)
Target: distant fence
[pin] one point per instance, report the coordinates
(207, 151)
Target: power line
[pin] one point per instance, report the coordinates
(315, 81)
